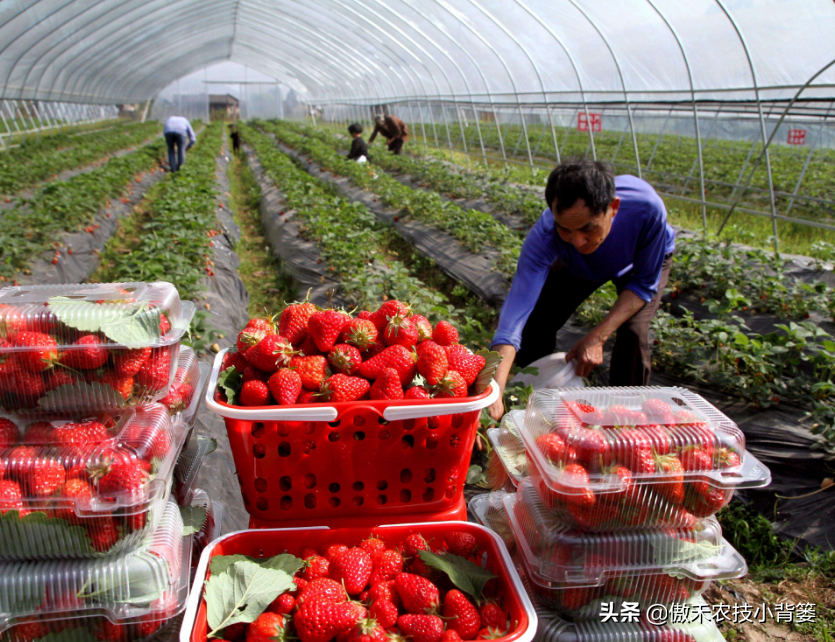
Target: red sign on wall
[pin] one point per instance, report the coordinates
(797, 137)
(595, 121)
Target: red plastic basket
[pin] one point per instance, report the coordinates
(364, 459)
(267, 543)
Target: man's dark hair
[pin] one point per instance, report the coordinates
(591, 181)
(354, 128)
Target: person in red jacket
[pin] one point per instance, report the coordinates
(393, 129)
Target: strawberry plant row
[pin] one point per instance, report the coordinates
(353, 244)
(173, 240)
(22, 167)
(35, 225)
(475, 230)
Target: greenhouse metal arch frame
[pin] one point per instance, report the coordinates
(502, 65)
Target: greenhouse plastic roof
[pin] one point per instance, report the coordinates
(109, 51)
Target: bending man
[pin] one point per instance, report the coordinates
(393, 129)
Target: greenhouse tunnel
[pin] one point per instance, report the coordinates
(724, 106)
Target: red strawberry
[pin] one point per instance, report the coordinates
(373, 545)
(452, 384)
(41, 351)
(121, 384)
(695, 459)
(325, 326)
(432, 363)
(118, 472)
(400, 331)
(345, 358)
(9, 433)
(57, 378)
(493, 616)
(156, 372)
(421, 628)
(634, 510)
(283, 604)
(467, 364)
(313, 370)
(445, 334)
(249, 337)
(353, 568)
(373, 350)
(413, 544)
(360, 333)
(461, 615)
(233, 360)
(728, 458)
(672, 488)
(128, 363)
(285, 386)
(266, 324)
(364, 314)
(307, 396)
(308, 348)
(663, 588)
(387, 564)
(333, 550)
(387, 385)
(321, 621)
(573, 486)
(398, 357)
(322, 588)
(705, 504)
(251, 373)
(294, 319)
(270, 353)
(461, 544)
(423, 326)
(17, 380)
(450, 635)
(367, 630)
(103, 533)
(418, 594)
(591, 446)
(234, 631)
(388, 310)
(75, 438)
(45, 476)
(29, 629)
(384, 612)
(268, 627)
(623, 477)
(633, 449)
(417, 392)
(255, 393)
(678, 517)
(657, 408)
(317, 566)
(384, 592)
(658, 438)
(12, 320)
(178, 398)
(164, 324)
(107, 631)
(11, 498)
(85, 354)
(340, 387)
(552, 446)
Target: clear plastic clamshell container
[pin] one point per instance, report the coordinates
(188, 466)
(212, 527)
(180, 396)
(632, 458)
(84, 487)
(82, 347)
(691, 621)
(509, 447)
(488, 510)
(132, 595)
(576, 571)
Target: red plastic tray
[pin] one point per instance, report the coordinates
(319, 462)
(267, 543)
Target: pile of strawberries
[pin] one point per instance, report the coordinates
(38, 354)
(60, 469)
(651, 458)
(372, 593)
(311, 355)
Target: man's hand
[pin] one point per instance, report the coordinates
(496, 409)
(588, 352)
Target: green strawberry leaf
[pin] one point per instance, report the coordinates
(132, 327)
(668, 551)
(193, 519)
(230, 382)
(79, 634)
(491, 362)
(222, 563)
(211, 447)
(242, 593)
(36, 535)
(467, 576)
(290, 564)
(63, 397)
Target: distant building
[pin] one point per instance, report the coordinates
(224, 106)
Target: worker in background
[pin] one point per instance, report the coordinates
(359, 150)
(179, 136)
(393, 129)
(596, 228)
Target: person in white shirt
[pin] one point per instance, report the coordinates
(177, 129)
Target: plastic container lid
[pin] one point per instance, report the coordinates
(212, 526)
(188, 467)
(189, 415)
(179, 397)
(488, 510)
(88, 486)
(509, 447)
(76, 347)
(560, 556)
(154, 579)
(659, 434)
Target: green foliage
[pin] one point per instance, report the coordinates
(753, 536)
(467, 576)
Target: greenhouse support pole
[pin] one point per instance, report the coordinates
(695, 117)
(768, 142)
(145, 111)
(622, 81)
(765, 138)
(6, 127)
(808, 160)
